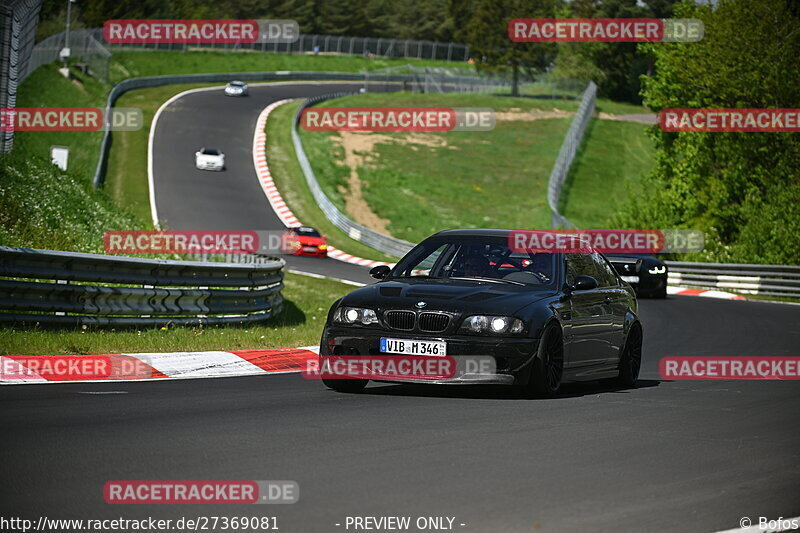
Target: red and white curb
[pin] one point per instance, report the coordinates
(274, 196)
(684, 291)
(40, 369)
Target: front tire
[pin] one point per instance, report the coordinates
(630, 361)
(346, 385)
(548, 366)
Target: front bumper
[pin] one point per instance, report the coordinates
(650, 283)
(209, 166)
(511, 355)
(315, 253)
(466, 379)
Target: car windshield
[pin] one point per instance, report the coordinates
(480, 258)
(209, 151)
(307, 232)
(237, 83)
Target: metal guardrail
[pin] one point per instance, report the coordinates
(92, 289)
(766, 280)
(567, 153)
(384, 243)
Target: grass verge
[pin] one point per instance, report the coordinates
(300, 324)
(607, 170)
(47, 88)
(423, 183)
(426, 182)
(136, 64)
(44, 207)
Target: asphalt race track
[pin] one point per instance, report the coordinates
(191, 199)
(667, 456)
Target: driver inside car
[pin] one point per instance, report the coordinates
(542, 266)
(477, 266)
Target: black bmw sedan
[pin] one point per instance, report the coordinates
(543, 318)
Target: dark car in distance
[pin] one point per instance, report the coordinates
(645, 273)
(545, 318)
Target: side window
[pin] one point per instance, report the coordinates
(605, 276)
(424, 267)
(580, 265)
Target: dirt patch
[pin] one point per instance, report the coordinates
(357, 150)
(358, 147)
(517, 114)
(642, 118)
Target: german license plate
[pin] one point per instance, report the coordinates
(309, 248)
(413, 347)
(630, 279)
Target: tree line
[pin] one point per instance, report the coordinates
(479, 23)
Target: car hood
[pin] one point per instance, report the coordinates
(310, 241)
(456, 296)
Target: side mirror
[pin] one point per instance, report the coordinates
(584, 283)
(379, 272)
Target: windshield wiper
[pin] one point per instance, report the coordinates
(495, 280)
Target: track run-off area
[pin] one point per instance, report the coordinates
(666, 456)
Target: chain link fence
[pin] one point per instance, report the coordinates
(321, 44)
(18, 21)
(85, 49)
(438, 79)
(567, 154)
(305, 44)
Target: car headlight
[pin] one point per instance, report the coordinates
(355, 315)
(658, 270)
(497, 325)
(323, 246)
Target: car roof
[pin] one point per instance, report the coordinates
(473, 233)
(484, 232)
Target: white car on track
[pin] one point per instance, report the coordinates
(209, 159)
(236, 88)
